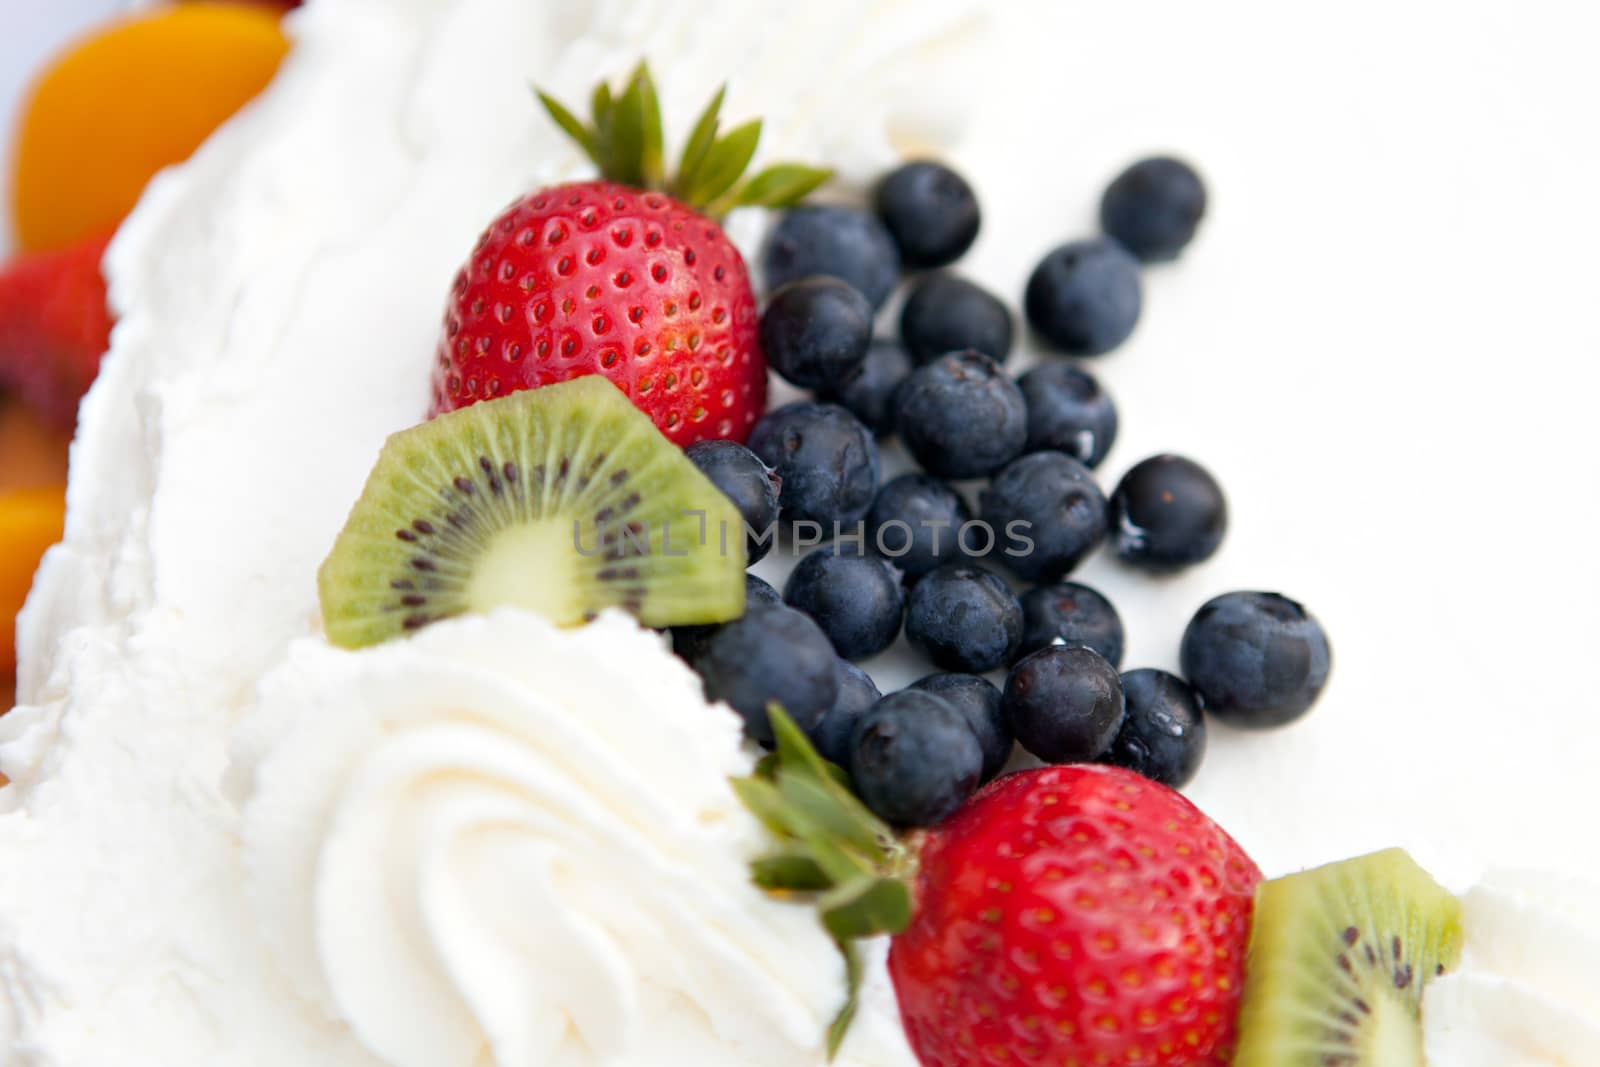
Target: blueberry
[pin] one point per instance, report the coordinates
(816, 330)
(868, 390)
(842, 242)
(827, 461)
(931, 212)
(979, 701)
(1064, 703)
(1071, 614)
(1047, 512)
(1167, 513)
(748, 482)
(771, 654)
(856, 599)
(1084, 297)
(913, 759)
(689, 641)
(1258, 660)
(1068, 412)
(1154, 207)
(915, 522)
(961, 417)
(964, 618)
(1163, 735)
(857, 694)
(944, 313)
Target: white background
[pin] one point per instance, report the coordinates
(1384, 343)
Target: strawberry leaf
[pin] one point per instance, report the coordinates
(841, 817)
(781, 185)
(764, 801)
(651, 150)
(793, 870)
(866, 907)
(723, 164)
(852, 1000)
(699, 143)
(570, 123)
(627, 136)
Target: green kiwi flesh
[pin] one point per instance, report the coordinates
(1338, 960)
(563, 500)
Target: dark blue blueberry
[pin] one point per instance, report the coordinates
(857, 694)
(979, 701)
(1258, 660)
(842, 242)
(1084, 297)
(868, 390)
(856, 599)
(1068, 412)
(748, 482)
(944, 313)
(961, 417)
(1163, 735)
(816, 330)
(1168, 513)
(931, 212)
(689, 641)
(916, 522)
(1154, 207)
(827, 461)
(1064, 703)
(964, 618)
(1071, 614)
(913, 759)
(1047, 512)
(772, 654)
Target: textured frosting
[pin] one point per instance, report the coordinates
(279, 299)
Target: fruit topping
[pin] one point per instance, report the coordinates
(1339, 958)
(1064, 703)
(916, 521)
(826, 460)
(1068, 412)
(1068, 613)
(868, 390)
(842, 242)
(1163, 734)
(961, 417)
(964, 618)
(931, 212)
(1154, 207)
(856, 599)
(54, 327)
(816, 330)
(1257, 659)
(30, 522)
(627, 277)
(979, 702)
(858, 693)
(121, 105)
(564, 501)
(772, 656)
(750, 484)
(1084, 297)
(1167, 513)
(944, 313)
(914, 758)
(1054, 507)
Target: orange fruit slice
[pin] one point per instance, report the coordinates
(121, 105)
(30, 522)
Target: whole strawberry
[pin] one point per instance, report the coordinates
(1066, 915)
(54, 327)
(628, 276)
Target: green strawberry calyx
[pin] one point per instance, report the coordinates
(829, 849)
(624, 139)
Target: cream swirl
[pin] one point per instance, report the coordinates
(506, 843)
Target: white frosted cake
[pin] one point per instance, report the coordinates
(501, 842)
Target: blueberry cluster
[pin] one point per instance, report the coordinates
(926, 561)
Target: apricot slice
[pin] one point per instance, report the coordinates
(121, 105)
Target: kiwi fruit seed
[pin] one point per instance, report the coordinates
(563, 500)
(1338, 959)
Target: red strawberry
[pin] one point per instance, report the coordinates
(1065, 915)
(54, 327)
(628, 276)
(1076, 913)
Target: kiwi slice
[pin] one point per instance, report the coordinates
(1338, 959)
(563, 500)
